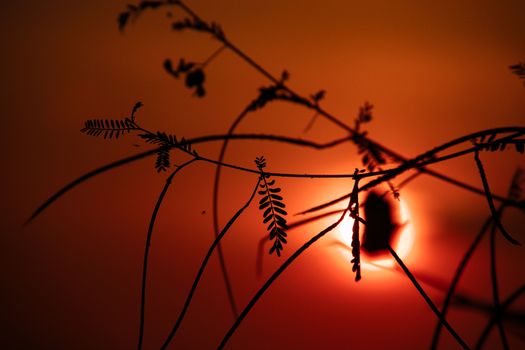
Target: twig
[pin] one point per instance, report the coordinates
(432, 306)
(335, 120)
(495, 289)
(151, 152)
(506, 303)
(428, 158)
(274, 276)
(488, 195)
(215, 211)
(147, 247)
(513, 193)
(299, 142)
(295, 97)
(214, 245)
(455, 280)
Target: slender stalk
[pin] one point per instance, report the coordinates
(86, 177)
(431, 304)
(337, 121)
(459, 271)
(147, 248)
(215, 211)
(201, 139)
(506, 303)
(213, 56)
(429, 158)
(455, 280)
(298, 142)
(488, 195)
(495, 290)
(273, 277)
(204, 263)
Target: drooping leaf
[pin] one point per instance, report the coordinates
(273, 205)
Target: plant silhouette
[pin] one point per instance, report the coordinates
(380, 166)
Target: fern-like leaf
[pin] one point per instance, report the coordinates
(273, 209)
(166, 141)
(199, 25)
(356, 244)
(108, 128)
(133, 11)
(163, 160)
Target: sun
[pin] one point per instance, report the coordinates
(403, 244)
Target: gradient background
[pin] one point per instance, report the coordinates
(70, 280)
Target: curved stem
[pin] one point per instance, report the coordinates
(459, 271)
(506, 303)
(495, 290)
(214, 245)
(147, 247)
(488, 195)
(338, 122)
(431, 304)
(455, 280)
(298, 142)
(86, 177)
(141, 155)
(428, 158)
(272, 279)
(215, 212)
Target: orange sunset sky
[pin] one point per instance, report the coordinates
(70, 279)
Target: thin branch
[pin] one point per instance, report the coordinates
(212, 56)
(488, 195)
(429, 158)
(302, 222)
(201, 139)
(299, 142)
(495, 289)
(338, 122)
(295, 97)
(214, 245)
(513, 193)
(274, 276)
(506, 303)
(147, 247)
(431, 304)
(215, 211)
(455, 280)
(86, 177)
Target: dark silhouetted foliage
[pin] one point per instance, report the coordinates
(380, 225)
(519, 70)
(273, 206)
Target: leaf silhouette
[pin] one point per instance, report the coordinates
(194, 76)
(108, 128)
(123, 19)
(136, 10)
(161, 138)
(163, 160)
(356, 244)
(273, 209)
(199, 25)
(519, 70)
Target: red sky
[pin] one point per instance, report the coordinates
(433, 70)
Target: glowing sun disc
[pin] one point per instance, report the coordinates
(402, 245)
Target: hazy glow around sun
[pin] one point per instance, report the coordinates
(402, 246)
